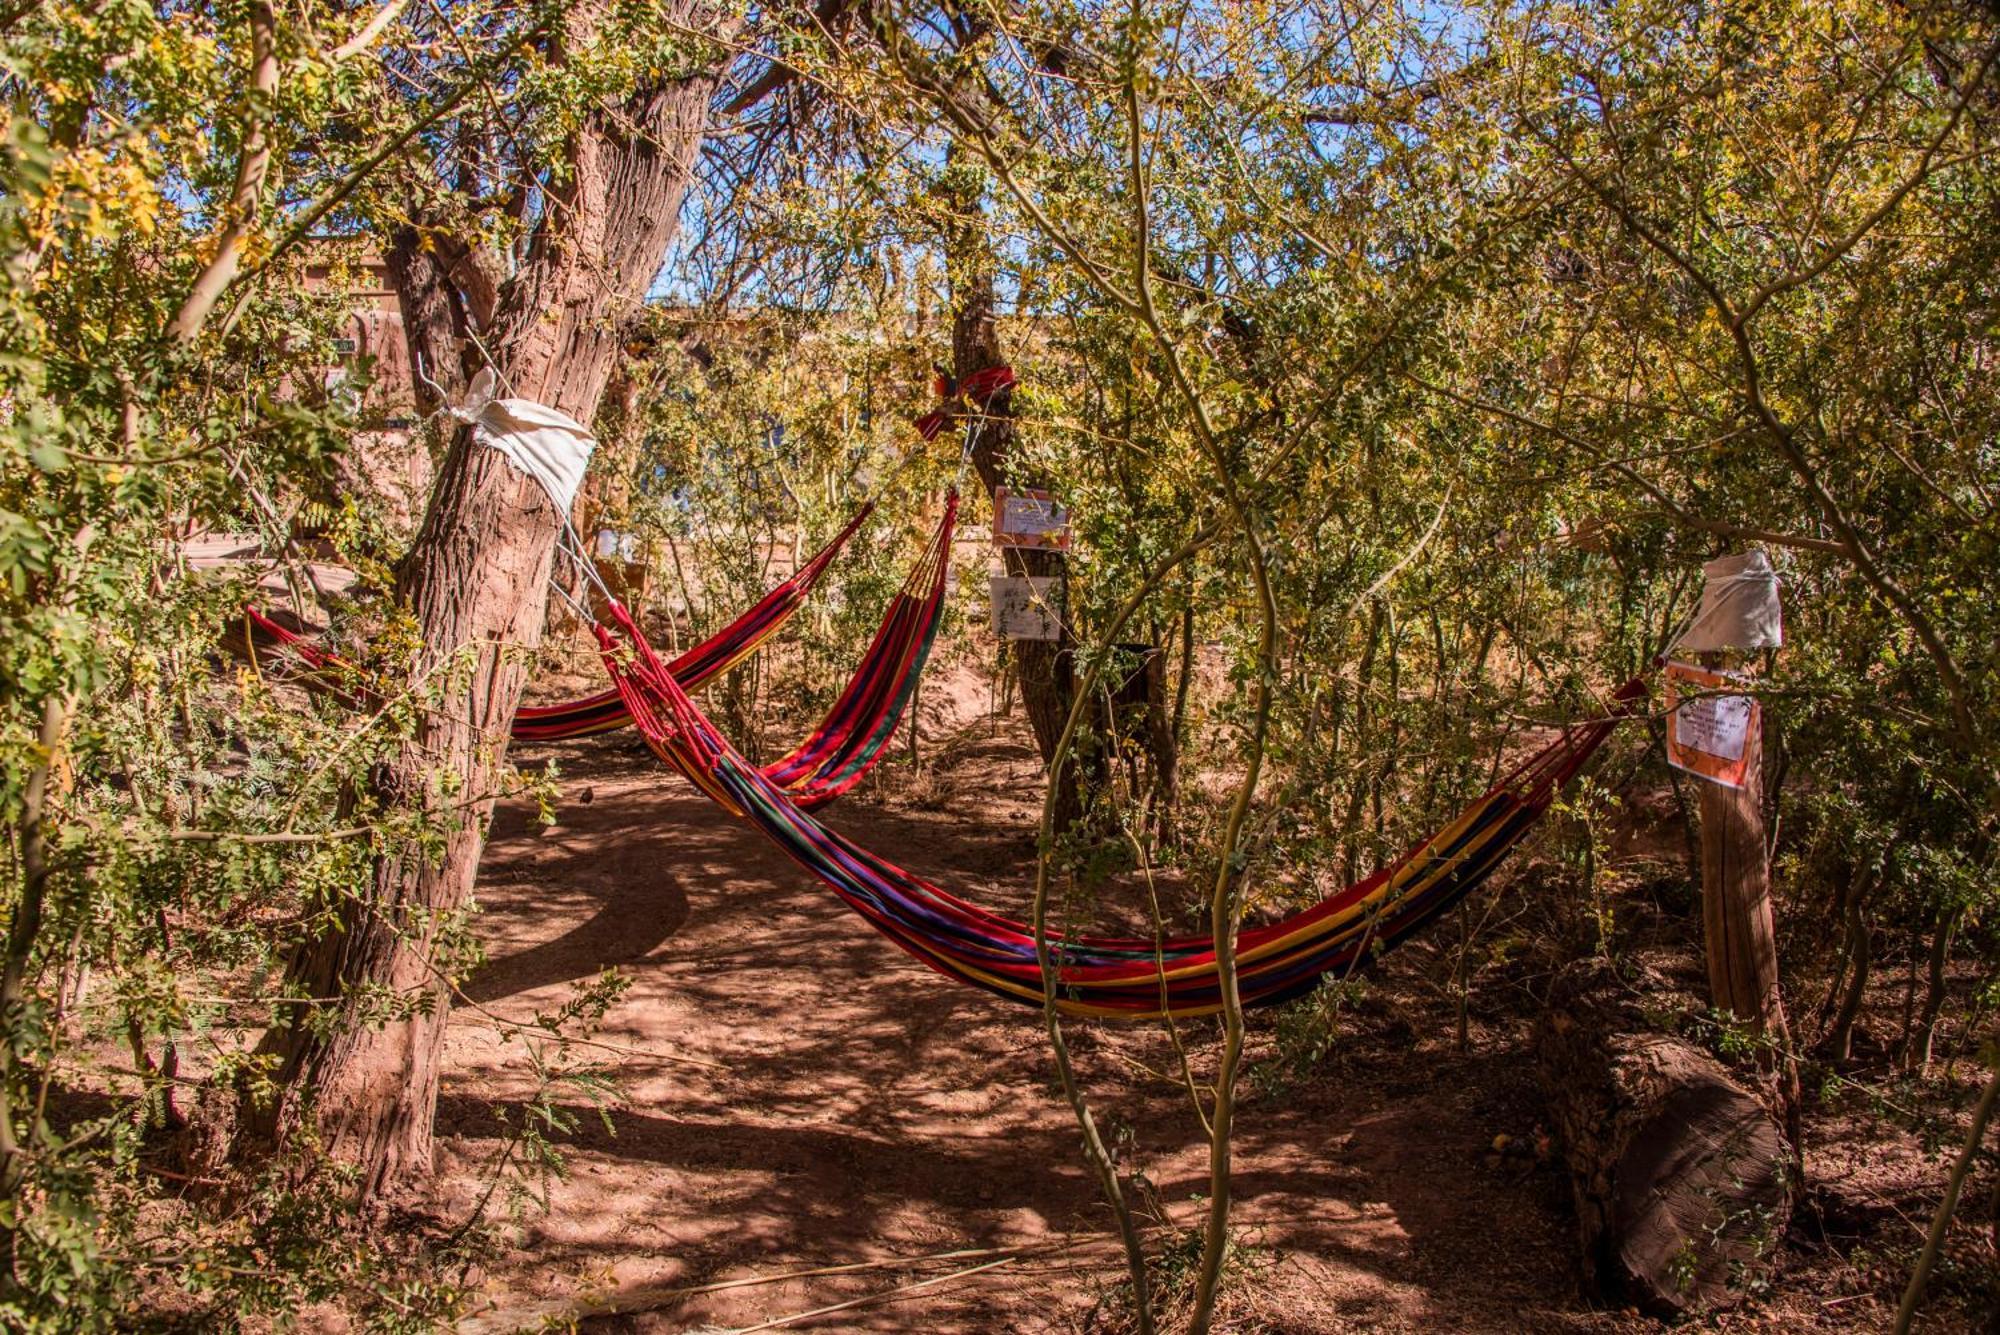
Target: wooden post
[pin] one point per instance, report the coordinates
(1737, 923)
(1739, 615)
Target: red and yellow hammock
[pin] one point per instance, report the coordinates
(1122, 977)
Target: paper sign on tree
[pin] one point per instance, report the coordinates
(1024, 607)
(1709, 730)
(1029, 517)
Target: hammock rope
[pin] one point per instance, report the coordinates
(1126, 977)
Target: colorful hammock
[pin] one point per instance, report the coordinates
(1129, 977)
(604, 711)
(849, 740)
(855, 732)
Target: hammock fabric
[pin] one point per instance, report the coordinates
(857, 729)
(605, 712)
(979, 389)
(850, 739)
(1126, 977)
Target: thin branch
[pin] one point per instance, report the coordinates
(1799, 277)
(365, 35)
(245, 197)
(779, 73)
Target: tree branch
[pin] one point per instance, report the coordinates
(251, 169)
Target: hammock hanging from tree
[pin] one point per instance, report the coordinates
(857, 729)
(823, 757)
(604, 711)
(1130, 977)
(848, 741)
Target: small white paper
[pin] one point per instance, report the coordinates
(1715, 725)
(1024, 607)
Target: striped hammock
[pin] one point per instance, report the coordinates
(818, 763)
(834, 758)
(1122, 977)
(848, 741)
(604, 712)
(856, 731)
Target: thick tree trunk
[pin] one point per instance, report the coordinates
(476, 582)
(1680, 1174)
(1736, 916)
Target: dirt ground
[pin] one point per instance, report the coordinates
(796, 1095)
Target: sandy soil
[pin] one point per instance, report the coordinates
(798, 1095)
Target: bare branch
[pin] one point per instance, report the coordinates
(251, 169)
(365, 35)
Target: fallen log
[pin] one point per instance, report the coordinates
(1681, 1175)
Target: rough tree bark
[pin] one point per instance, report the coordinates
(433, 317)
(1046, 667)
(1740, 934)
(1680, 1174)
(476, 581)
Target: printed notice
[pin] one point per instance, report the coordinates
(1715, 724)
(1708, 731)
(1029, 517)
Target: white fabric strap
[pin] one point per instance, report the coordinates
(549, 446)
(1739, 606)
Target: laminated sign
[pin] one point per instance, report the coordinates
(1024, 607)
(1029, 517)
(1708, 732)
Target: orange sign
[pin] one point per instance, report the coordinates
(1710, 730)
(1029, 517)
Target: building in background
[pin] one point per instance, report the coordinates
(389, 460)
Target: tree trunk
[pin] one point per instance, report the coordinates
(1739, 932)
(1918, 1056)
(1737, 926)
(1047, 667)
(476, 582)
(1839, 1043)
(433, 318)
(1680, 1175)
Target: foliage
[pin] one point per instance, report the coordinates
(181, 822)
(1400, 366)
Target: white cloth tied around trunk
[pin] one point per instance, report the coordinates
(1739, 606)
(549, 446)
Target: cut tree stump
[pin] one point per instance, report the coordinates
(1679, 1172)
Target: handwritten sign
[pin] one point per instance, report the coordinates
(1029, 517)
(1024, 607)
(1709, 731)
